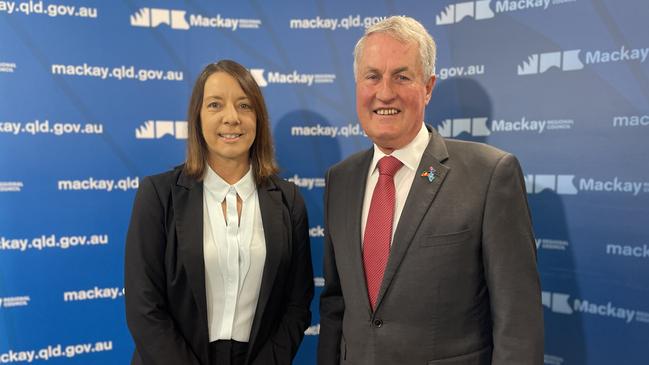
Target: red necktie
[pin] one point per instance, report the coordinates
(378, 230)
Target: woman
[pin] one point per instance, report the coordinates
(218, 263)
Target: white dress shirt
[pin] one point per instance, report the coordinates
(232, 278)
(410, 156)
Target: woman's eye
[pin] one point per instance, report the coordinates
(245, 106)
(213, 105)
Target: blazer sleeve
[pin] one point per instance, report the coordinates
(509, 257)
(286, 339)
(157, 339)
(332, 305)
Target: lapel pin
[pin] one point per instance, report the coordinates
(431, 173)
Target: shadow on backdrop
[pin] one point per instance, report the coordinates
(458, 98)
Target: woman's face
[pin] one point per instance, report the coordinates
(228, 120)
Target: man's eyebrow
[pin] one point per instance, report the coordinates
(394, 72)
(400, 70)
(370, 69)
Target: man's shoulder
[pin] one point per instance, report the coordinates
(474, 152)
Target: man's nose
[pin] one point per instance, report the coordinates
(385, 92)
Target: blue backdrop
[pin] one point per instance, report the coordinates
(93, 97)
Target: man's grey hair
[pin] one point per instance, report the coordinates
(406, 30)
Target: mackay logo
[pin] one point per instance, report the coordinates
(155, 129)
(561, 303)
(151, 17)
(481, 9)
(571, 60)
(454, 13)
(482, 127)
(264, 78)
(565, 185)
(476, 127)
(176, 19)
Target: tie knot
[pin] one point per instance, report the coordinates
(232, 193)
(389, 165)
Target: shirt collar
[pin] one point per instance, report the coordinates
(410, 155)
(219, 187)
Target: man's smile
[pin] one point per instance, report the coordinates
(387, 111)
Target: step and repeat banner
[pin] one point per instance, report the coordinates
(93, 97)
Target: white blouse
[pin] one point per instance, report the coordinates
(234, 257)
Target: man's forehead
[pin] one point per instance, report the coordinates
(386, 44)
(386, 40)
(377, 55)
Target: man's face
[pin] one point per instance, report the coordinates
(391, 94)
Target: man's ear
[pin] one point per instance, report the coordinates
(430, 84)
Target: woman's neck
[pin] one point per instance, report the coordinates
(230, 170)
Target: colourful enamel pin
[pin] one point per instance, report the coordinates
(431, 173)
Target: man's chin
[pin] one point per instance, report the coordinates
(386, 143)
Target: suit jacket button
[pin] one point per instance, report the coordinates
(378, 323)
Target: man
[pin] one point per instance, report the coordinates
(429, 252)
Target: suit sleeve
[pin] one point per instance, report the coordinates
(157, 340)
(286, 339)
(332, 305)
(509, 255)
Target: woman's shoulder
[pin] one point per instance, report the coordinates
(284, 185)
(169, 175)
(164, 181)
(290, 191)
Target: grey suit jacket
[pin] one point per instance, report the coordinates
(461, 285)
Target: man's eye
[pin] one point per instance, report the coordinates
(371, 77)
(403, 78)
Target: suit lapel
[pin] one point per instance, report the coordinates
(188, 209)
(421, 195)
(275, 220)
(354, 199)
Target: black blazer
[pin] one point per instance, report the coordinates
(166, 307)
